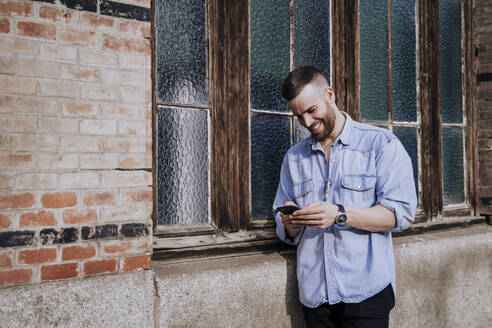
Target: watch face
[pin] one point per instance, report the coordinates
(341, 219)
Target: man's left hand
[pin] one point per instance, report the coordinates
(318, 215)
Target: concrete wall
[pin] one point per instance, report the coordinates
(444, 280)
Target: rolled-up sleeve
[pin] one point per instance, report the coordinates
(284, 194)
(395, 187)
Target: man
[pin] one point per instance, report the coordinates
(354, 185)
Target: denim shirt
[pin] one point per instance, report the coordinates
(368, 166)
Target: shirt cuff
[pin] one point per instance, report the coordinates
(402, 222)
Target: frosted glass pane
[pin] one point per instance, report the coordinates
(270, 56)
(452, 166)
(181, 52)
(403, 61)
(182, 175)
(408, 137)
(450, 60)
(300, 132)
(312, 34)
(270, 140)
(374, 60)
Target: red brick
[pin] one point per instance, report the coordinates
(56, 14)
(101, 266)
(37, 30)
(16, 161)
(94, 20)
(37, 256)
(78, 252)
(39, 219)
(11, 8)
(137, 28)
(132, 263)
(5, 221)
(125, 247)
(126, 45)
(99, 198)
(4, 25)
(77, 37)
(15, 277)
(59, 271)
(79, 215)
(59, 200)
(5, 258)
(76, 108)
(137, 196)
(120, 246)
(17, 201)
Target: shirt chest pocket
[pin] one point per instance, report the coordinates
(303, 192)
(358, 190)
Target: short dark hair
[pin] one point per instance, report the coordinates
(298, 79)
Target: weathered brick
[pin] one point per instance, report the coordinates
(134, 61)
(17, 238)
(6, 142)
(79, 108)
(35, 181)
(99, 161)
(124, 10)
(58, 125)
(96, 21)
(126, 178)
(135, 162)
(7, 180)
(134, 230)
(60, 89)
(115, 110)
(37, 68)
(123, 145)
(99, 92)
(126, 45)
(140, 80)
(59, 271)
(55, 14)
(17, 161)
(137, 195)
(7, 64)
(25, 104)
(96, 57)
(18, 123)
(58, 236)
(78, 37)
(47, 161)
(96, 198)
(133, 263)
(16, 8)
(5, 258)
(98, 127)
(15, 277)
(59, 199)
(99, 232)
(12, 46)
(37, 30)
(58, 51)
(4, 25)
(79, 144)
(78, 252)
(78, 180)
(141, 29)
(78, 73)
(100, 266)
(17, 84)
(37, 256)
(124, 213)
(132, 95)
(5, 221)
(7, 103)
(125, 247)
(37, 219)
(135, 128)
(79, 215)
(24, 200)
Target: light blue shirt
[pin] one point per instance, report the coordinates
(368, 166)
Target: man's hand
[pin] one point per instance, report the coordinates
(291, 229)
(318, 215)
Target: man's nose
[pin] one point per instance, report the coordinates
(307, 121)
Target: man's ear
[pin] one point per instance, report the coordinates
(330, 94)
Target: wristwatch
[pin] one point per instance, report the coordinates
(342, 216)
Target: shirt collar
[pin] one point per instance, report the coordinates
(343, 138)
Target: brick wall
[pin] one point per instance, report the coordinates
(75, 139)
(483, 26)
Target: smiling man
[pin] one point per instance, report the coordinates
(354, 185)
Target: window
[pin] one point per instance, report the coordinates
(222, 128)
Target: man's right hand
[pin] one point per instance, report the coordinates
(292, 230)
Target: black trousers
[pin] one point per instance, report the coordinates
(372, 312)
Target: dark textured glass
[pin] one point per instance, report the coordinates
(182, 52)
(450, 61)
(408, 137)
(312, 34)
(403, 71)
(453, 171)
(270, 140)
(270, 52)
(300, 132)
(182, 171)
(374, 60)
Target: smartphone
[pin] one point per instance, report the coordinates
(289, 209)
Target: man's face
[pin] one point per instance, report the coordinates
(314, 107)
